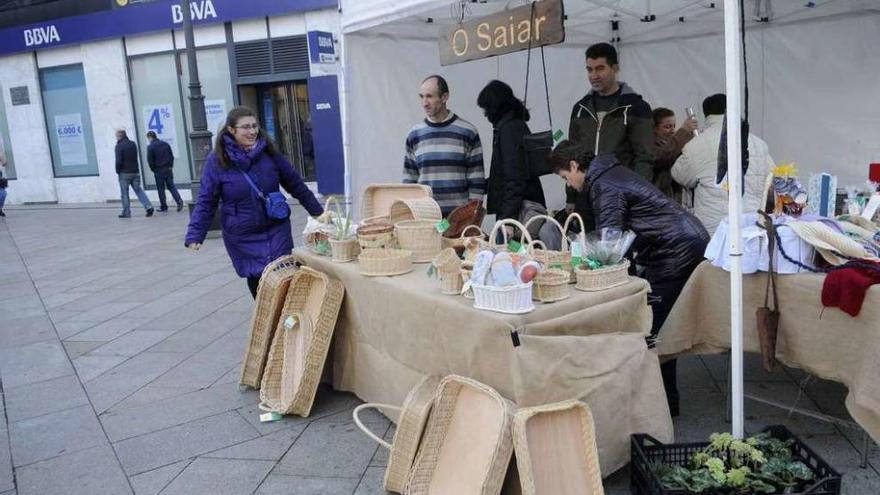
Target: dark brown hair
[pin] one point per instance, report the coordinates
(565, 152)
(232, 119)
(661, 113)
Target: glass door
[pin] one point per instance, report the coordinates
(284, 115)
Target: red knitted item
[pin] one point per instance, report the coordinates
(846, 288)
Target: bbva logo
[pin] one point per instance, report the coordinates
(41, 35)
(198, 11)
(323, 106)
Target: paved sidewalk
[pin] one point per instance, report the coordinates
(119, 362)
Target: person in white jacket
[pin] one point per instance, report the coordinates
(696, 168)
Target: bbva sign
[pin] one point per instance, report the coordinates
(41, 35)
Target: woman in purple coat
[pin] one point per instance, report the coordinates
(252, 239)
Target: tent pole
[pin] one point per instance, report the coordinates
(343, 114)
(733, 71)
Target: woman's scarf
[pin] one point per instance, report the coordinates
(243, 159)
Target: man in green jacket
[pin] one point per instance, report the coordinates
(612, 118)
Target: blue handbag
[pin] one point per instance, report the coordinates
(274, 202)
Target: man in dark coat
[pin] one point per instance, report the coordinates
(129, 171)
(160, 157)
(671, 241)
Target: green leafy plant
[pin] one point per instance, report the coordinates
(758, 464)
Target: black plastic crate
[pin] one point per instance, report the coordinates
(647, 450)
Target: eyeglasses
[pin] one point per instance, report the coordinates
(249, 127)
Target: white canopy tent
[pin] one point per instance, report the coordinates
(813, 67)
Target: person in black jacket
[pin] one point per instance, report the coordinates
(510, 184)
(671, 242)
(161, 161)
(129, 171)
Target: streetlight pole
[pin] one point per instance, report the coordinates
(200, 136)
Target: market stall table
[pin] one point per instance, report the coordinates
(392, 331)
(823, 341)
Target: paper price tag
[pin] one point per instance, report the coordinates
(442, 226)
(270, 416)
(289, 323)
(557, 136)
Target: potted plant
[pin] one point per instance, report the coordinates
(343, 243)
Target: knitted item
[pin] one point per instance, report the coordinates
(243, 159)
(846, 288)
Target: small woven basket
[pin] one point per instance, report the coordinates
(403, 210)
(514, 299)
(568, 221)
(343, 251)
(384, 262)
(312, 240)
(603, 278)
(551, 285)
(459, 243)
(377, 235)
(467, 269)
(420, 237)
(548, 257)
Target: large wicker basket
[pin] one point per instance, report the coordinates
(270, 300)
(377, 198)
(410, 426)
(556, 450)
(551, 285)
(420, 237)
(467, 444)
(385, 262)
(414, 209)
(603, 278)
(514, 299)
(296, 359)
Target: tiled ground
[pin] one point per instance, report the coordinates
(119, 357)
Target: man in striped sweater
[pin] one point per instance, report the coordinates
(444, 151)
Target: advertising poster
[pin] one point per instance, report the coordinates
(160, 119)
(71, 140)
(215, 111)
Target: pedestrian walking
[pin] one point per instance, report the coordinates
(160, 158)
(129, 171)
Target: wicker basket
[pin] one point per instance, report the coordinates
(377, 198)
(549, 257)
(568, 221)
(448, 266)
(556, 450)
(410, 425)
(467, 444)
(376, 235)
(461, 242)
(312, 240)
(343, 251)
(514, 299)
(551, 285)
(403, 210)
(603, 278)
(467, 268)
(385, 262)
(270, 300)
(296, 358)
(420, 237)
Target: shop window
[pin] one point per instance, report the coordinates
(216, 86)
(68, 121)
(6, 158)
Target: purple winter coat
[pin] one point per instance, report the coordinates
(251, 238)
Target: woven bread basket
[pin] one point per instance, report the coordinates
(551, 285)
(470, 213)
(375, 235)
(603, 278)
(385, 262)
(377, 198)
(556, 450)
(410, 426)
(403, 210)
(420, 237)
(270, 300)
(343, 251)
(467, 443)
(302, 340)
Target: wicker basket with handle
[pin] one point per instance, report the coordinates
(448, 266)
(548, 257)
(568, 221)
(312, 240)
(602, 278)
(551, 285)
(514, 299)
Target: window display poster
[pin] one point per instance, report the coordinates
(160, 119)
(215, 111)
(71, 140)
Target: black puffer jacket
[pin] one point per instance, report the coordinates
(670, 240)
(509, 181)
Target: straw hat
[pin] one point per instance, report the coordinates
(829, 243)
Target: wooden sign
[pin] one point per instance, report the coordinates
(504, 32)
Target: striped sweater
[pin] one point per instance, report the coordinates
(448, 157)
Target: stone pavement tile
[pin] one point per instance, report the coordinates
(380, 458)
(23, 331)
(208, 365)
(56, 301)
(45, 397)
(702, 413)
(129, 377)
(836, 450)
(60, 316)
(146, 452)
(7, 480)
(33, 363)
(132, 343)
(54, 434)
(196, 309)
(860, 481)
(202, 333)
(105, 311)
(169, 282)
(753, 370)
(329, 449)
(168, 302)
(25, 313)
(219, 477)
(152, 393)
(19, 274)
(759, 415)
(217, 279)
(108, 330)
(93, 471)
(17, 302)
(251, 414)
(89, 367)
(76, 348)
(270, 447)
(244, 305)
(299, 485)
(693, 374)
(9, 291)
(152, 482)
(122, 422)
(372, 483)
(829, 396)
(93, 299)
(67, 329)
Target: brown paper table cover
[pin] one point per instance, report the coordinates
(392, 331)
(830, 343)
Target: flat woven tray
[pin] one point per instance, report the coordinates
(377, 198)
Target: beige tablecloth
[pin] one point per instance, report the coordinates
(830, 343)
(394, 330)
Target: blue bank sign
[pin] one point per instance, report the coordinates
(141, 18)
(321, 47)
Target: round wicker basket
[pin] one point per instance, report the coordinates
(343, 251)
(377, 235)
(384, 262)
(420, 237)
(603, 278)
(551, 285)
